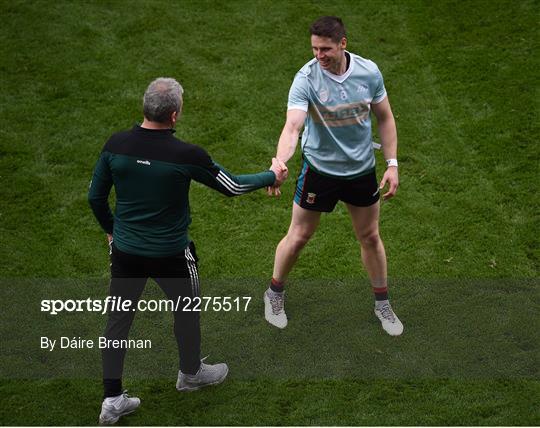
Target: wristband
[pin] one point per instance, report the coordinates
(391, 162)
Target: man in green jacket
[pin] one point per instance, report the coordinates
(151, 171)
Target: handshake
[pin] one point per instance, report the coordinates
(280, 169)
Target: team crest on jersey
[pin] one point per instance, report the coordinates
(324, 95)
(362, 89)
(311, 198)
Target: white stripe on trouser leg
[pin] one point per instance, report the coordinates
(192, 266)
(195, 271)
(191, 275)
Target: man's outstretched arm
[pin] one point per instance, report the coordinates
(288, 140)
(213, 175)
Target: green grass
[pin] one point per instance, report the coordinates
(320, 342)
(284, 403)
(461, 236)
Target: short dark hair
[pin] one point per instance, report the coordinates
(328, 26)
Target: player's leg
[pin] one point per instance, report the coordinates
(314, 194)
(178, 277)
(365, 220)
(303, 225)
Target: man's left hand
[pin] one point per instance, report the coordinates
(392, 178)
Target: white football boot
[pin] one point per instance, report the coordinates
(274, 308)
(113, 408)
(207, 375)
(389, 320)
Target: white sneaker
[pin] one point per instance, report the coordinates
(274, 308)
(114, 407)
(207, 375)
(389, 320)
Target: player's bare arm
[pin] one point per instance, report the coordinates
(289, 136)
(288, 140)
(388, 134)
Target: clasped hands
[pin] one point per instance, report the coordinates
(282, 172)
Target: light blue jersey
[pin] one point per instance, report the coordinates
(337, 133)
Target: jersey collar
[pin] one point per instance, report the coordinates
(341, 78)
(138, 127)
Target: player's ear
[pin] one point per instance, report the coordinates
(343, 43)
(174, 117)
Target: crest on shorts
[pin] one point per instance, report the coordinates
(311, 198)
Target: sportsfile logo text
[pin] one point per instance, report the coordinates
(114, 303)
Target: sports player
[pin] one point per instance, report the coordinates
(151, 171)
(331, 98)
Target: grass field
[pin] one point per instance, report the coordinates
(462, 236)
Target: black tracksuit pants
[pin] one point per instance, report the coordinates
(178, 277)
